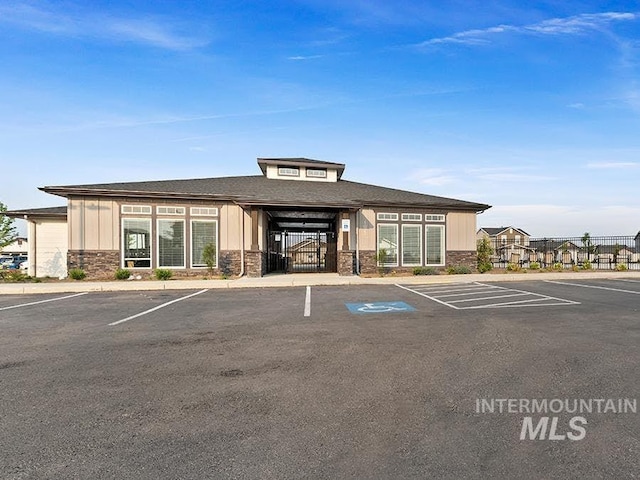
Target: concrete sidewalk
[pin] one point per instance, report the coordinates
(297, 279)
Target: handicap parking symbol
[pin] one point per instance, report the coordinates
(379, 307)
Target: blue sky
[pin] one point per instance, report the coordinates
(533, 108)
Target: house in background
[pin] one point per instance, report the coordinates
(48, 240)
(510, 244)
(19, 246)
(252, 222)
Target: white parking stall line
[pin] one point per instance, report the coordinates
(491, 294)
(594, 286)
(307, 302)
(487, 298)
(465, 287)
(627, 280)
(157, 308)
(43, 301)
(427, 296)
(474, 292)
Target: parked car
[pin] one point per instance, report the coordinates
(4, 260)
(24, 265)
(15, 262)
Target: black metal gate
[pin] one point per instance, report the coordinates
(298, 252)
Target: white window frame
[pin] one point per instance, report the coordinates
(123, 259)
(434, 217)
(420, 248)
(288, 171)
(316, 173)
(411, 217)
(442, 245)
(217, 237)
(170, 210)
(209, 211)
(135, 209)
(393, 217)
(394, 264)
(184, 243)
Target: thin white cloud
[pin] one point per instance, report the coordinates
(434, 177)
(152, 31)
(577, 105)
(515, 177)
(575, 25)
(613, 165)
(304, 57)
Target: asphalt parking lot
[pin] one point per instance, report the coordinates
(322, 382)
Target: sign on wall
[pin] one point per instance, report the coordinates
(346, 225)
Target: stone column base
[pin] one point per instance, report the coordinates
(346, 262)
(255, 263)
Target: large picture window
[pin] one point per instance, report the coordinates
(136, 242)
(434, 236)
(203, 233)
(388, 243)
(411, 245)
(171, 243)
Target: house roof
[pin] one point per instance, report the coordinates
(300, 162)
(38, 212)
(259, 190)
(492, 231)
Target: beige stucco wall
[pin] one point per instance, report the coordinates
(93, 224)
(366, 229)
(461, 231)
(48, 248)
(230, 228)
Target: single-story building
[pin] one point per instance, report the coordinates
(19, 246)
(298, 215)
(48, 235)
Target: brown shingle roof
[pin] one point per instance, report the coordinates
(259, 190)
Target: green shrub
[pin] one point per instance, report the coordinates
(209, 256)
(77, 274)
(122, 274)
(557, 266)
(425, 271)
(14, 276)
(621, 267)
(513, 267)
(458, 270)
(484, 251)
(534, 266)
(586, 265)
(163, 274)
(485, 267)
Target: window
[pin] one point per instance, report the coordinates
(518, 239)
(145, 209)
(388, 243)
(411, 245)
(136, 242)
(387, 216)
(204, 212)
(170, 210)
(203, 232)
(411, 217)
(171, 243)
(288, 172)
(316, 172)
(503, 239)
(434, 218)
(434, 238)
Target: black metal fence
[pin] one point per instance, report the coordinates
(586, 252)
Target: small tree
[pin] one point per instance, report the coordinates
(8, 231)
(209, 256)
(381, 258)
(484, 252)
(587, 245)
